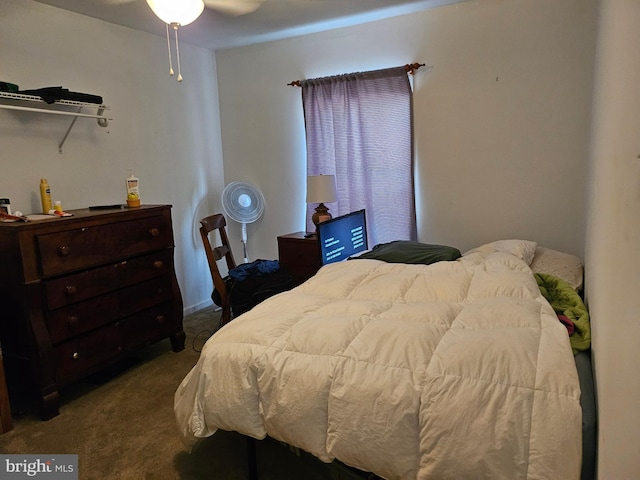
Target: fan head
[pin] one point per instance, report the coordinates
(242, 202)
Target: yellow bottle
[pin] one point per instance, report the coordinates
(45, 196)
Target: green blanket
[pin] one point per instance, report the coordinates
(566, 301)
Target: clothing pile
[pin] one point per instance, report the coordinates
(251, 283)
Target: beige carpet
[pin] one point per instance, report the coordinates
(122, 425)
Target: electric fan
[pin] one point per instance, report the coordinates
(244, 203)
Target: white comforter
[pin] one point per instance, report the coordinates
(455, 370)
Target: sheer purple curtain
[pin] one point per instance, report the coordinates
(359, 128)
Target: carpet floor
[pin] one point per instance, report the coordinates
(121, 425)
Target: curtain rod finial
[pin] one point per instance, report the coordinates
(295, 83)
(412, 67)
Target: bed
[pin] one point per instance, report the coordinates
(454, 367)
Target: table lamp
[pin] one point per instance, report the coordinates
(320, 189)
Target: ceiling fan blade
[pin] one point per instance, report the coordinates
(233, 7)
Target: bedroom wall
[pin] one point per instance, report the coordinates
(501, 120)
(612, 264)
(167, 132)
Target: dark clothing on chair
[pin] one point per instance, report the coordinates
(251, 283)
(247, 284)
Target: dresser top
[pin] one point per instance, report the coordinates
(84, 214)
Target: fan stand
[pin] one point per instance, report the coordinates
(244, 242)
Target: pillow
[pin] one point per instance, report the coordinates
(561, 265)
(523, 249)
(402, 251)
(483, 250)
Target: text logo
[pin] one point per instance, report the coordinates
(49, 467)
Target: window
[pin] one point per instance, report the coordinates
(359, 128)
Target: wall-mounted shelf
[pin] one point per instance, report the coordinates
(18, 101)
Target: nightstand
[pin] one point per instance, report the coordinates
(299, 255)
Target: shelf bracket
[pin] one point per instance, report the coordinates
(64, 139)
(102, 121)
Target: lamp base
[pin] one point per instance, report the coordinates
(322, 215)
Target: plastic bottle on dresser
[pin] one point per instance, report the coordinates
(133, 190)
(45, 196)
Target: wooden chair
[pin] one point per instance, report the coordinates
(218, 223)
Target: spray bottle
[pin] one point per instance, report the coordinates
(45, 196)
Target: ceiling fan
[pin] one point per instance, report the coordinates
(178, 13)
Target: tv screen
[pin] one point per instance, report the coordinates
(343, 236)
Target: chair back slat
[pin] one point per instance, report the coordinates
(220, 252)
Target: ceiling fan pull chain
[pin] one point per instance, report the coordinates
(175, 27)
(169, 50)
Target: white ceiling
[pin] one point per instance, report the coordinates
(273, 20)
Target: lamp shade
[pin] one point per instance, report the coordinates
(321, 188)
(182, 12)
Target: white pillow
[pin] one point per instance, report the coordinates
(523, 249)
(562, 265)
(483, 250)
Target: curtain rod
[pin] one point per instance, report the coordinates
(409, 68)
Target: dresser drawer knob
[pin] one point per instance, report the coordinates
(158, 264)
(70, 290)
(75, 356)
(154, 232)
(160, 319)
(64, 250)
(73, 321)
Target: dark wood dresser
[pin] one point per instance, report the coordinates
(6, 423)
(81, 292)
(299, 254)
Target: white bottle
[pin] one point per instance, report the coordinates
(133, 191)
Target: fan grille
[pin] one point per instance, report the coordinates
(242, 202)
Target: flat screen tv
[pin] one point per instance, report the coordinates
(342, 237)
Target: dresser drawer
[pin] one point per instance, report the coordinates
(147, 326)
(92, 283)
(144, 295)
(76, 319)
(86, 352)
(69, 322)
(76, 249)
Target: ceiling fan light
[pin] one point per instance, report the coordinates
(182, 12)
